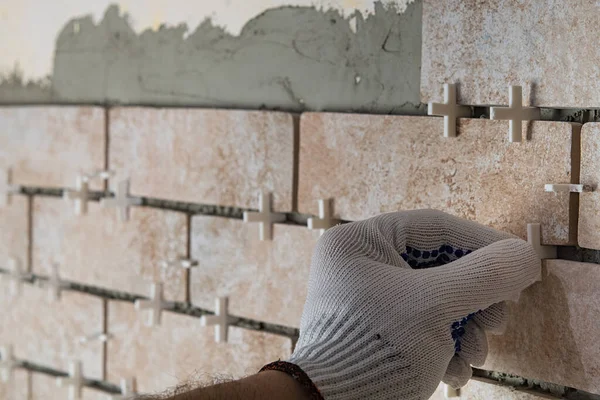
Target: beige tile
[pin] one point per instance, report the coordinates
(475, 390)
(43, 387)
(392, 163)
(180, 349)
(589, 202)
(487, 45)
(51, 146)
(264, 280)
(554, 330)
(222, 157)
(100, 250)
(14, 235)
(48, 332)
(17, 388)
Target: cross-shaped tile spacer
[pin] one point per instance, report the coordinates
(566, 188)
(181, 262)
(100, 337)
(74, 381)
(515, 113)
(264, 216)
(16, 275)
(6, 187)
(127, 389)
(8, 363)
(55, 284)
(122, 200)
(155, 305)
(534, 238)
(325, 219)
(449, 109)
(220, 320)
(80, 196)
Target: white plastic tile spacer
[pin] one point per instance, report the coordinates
(515, 113)
(128, 388)
(8, 363)
(7, 189)
(325, 219)
(101, 173)
(55, 284)
(155, 305)
(75, 381)
(96, 337)
(449, 109)
(122, 201)
(534, 237)
(566, 188)
(80, 196)
(16, 275)
(220, 320)
(181, 262)
(450, 392)
(264, 216)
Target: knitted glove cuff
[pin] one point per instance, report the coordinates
(298, 374)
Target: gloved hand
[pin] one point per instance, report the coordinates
(379, 324)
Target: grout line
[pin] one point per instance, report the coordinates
(106, 146)
(29, 234)
(188, 271)
(105, 343)
(296, 162)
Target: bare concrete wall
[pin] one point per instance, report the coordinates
(291, 58)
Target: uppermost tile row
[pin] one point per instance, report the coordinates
(368, 164)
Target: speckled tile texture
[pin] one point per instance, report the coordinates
(17, 388)
(392, 163)
(264, 280)
(475, 390)
(98, 249)
(180, 350)
(48, 332)
(554, 330)
(43, 387)
(14, 231)
(221, 157)
(485, 46)
(51, 146)
(589, 202)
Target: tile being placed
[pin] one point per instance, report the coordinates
(264, 280)
(554, 330)
(51, 146)
(485, 46)
(44, 387)
(180, 349)
(589, 202)
(17, 388)
(221, 157)
(49, 332)
(14, 231)
(100, 250)
(370, 164)
(475, 390)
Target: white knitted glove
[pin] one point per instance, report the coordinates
(375, 328)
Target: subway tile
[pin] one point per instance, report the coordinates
(179, 349)
(100, 250)
(475, 390)
(487, 46)
(554, 330)
(14, 231)
(52, 146)
(43, 387)
(392, 163)
(264, 280)
(49, 332)
(17, 387)
(589, 202)
(221, 157)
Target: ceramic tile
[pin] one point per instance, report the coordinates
(14, 235)
(51, 146)
(392, 163)
(180, 349)
(17, 388)
(485, 46)
(221, 157)
(264, 280)
(44, 387)
(554, 330)
(589, 219)
(100, 250)
(475, 390)
(48, 332)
